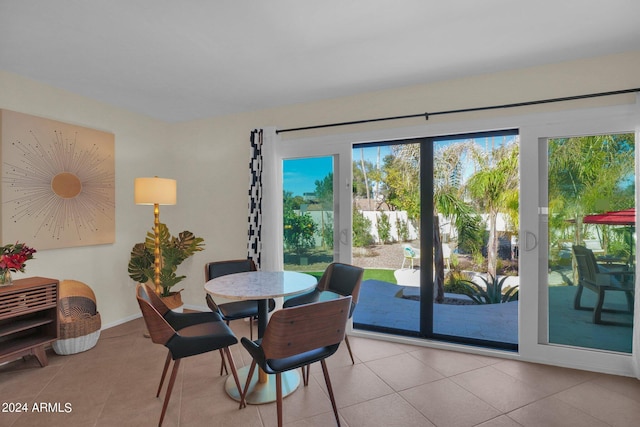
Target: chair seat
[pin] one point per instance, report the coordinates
(200, 338)
(242, 309)
(273, 366)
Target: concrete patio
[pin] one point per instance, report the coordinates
(380, 307)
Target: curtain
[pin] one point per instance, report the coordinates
(265, 224)
(254, 248)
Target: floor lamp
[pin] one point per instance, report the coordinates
(155, 191)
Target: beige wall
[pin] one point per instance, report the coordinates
(209, 158)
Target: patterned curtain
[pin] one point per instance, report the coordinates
(254, 246)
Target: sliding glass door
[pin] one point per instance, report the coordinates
(435, 221)
(591, 240)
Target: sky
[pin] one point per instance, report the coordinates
(300, 175)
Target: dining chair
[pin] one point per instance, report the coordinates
(196, 333)
(337, 280)
(297, 337)
(237, 309)
(182, 320)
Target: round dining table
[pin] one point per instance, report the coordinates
(261, 286)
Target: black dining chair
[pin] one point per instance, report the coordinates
(237, 309)
(195, 334)
(337, 280)
(297, 337)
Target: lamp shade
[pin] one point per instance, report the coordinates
(151, 191)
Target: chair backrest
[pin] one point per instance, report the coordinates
(222, 268)
(586, 263)
(410, 252)
(307, 327)
(342, 279)
(159, 329)
(153, 299)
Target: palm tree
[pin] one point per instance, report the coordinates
(583, 178)
(493, 187)
(448, 201)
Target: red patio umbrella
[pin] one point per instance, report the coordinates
(623, 217)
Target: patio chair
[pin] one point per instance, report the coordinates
(597, 279)
(410, 253)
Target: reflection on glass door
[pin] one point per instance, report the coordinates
(592, 241)
(308, 213)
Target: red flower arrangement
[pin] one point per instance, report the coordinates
(13, 257)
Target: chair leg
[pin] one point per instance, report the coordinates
(172, 380)
(164, 372)
(223, 364)
(630, 301)
(346, 341)
(234, 372)
(252, 368)
(327, 380)
(279, 397)
(597, 310)
(305, 374)
(576, 301)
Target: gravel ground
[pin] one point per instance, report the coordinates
(381, 256)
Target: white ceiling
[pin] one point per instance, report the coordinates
(188, 59)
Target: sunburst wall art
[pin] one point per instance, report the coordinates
(58, 183)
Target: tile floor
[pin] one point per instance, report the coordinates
(114, 385)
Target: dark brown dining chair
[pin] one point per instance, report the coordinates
(297, 337)
(182, 320)
(198, 333)
(337, 280)
(237, 309)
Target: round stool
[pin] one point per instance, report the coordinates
(78, 318)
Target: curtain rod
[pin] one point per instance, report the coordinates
(464, 110)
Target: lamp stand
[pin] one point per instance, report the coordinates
(156, 249)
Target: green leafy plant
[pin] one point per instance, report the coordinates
(456, 283)
(173, 251)
(361, 226)
(492, 292)
(299, 232)
(384, 228)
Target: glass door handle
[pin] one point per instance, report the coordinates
(344, 236)
(530, 241)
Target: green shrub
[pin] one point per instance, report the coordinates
(455, 281)
(492, 293)
(403, 230)
(299, 232)
(361, 230)
(384, 228)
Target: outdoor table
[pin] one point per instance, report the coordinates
(261, 286)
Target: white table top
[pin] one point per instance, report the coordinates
(260, 284)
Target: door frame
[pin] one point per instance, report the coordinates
(533, 293)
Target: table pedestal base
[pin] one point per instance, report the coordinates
(262, 392)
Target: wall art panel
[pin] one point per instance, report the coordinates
(58, 183)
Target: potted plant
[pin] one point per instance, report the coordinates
(173, 251)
